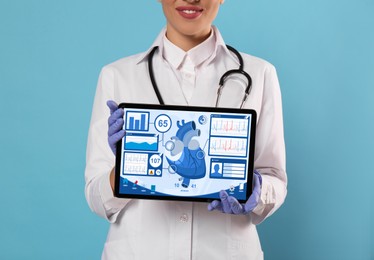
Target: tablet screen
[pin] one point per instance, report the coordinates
(185, 153)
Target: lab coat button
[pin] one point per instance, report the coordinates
(183, 218)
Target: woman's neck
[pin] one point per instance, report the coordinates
(184, 41)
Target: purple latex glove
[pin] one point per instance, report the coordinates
(115, 125)
(230, 205)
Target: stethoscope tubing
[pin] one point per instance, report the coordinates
(222, 80)
(152, 76)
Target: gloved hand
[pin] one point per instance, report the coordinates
(230, 205)
(115, 125)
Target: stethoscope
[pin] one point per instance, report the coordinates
(222, 80)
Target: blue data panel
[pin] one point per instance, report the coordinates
(137, 121)
(228, 168)
(141, 142)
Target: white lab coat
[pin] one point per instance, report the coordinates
(168, 230)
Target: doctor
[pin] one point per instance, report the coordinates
(189, 61)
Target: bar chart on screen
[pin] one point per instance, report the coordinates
(137, 121)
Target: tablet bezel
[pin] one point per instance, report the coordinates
(187, 109)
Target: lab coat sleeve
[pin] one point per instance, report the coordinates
(270, 158)
(99, 157)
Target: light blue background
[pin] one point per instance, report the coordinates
(51, 53)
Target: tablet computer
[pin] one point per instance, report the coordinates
(185, 153)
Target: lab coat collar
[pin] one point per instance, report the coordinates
(219, 46)
(200, 53)
(158, 42)
(172, 53)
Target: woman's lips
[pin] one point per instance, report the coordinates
(189, 12)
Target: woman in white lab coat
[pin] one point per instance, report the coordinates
(190, 59)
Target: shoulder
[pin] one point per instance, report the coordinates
(125, 63)
(258, 67)
(256, 62)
